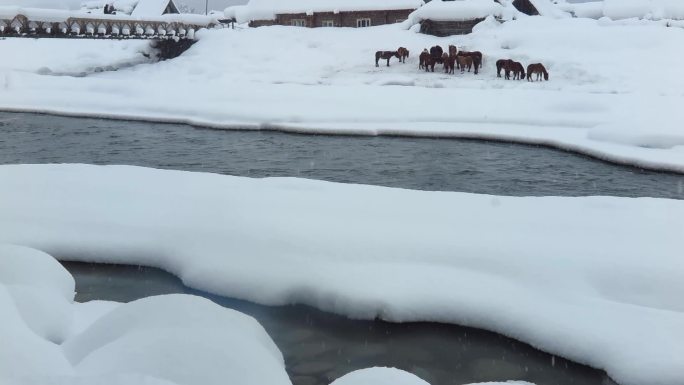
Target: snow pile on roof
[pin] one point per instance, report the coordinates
(153, 8)
(268, 9)
(644, 9)
(583, 278)
(549, 9)
(51, 4)
(456, 10)
(46, 338)
(38, 14)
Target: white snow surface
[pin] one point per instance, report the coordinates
(268, 9)
(599, 100)
(645, 9)
(591, 9)
(172, 339)
(585, 278)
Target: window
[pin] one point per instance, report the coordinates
(366, 22)
(298, 22)
(327, 23)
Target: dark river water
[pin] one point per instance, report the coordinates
(415, 163)
(319, 347)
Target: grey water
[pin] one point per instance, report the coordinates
(415, 163)
(319, 347)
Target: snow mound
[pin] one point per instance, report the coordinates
(379, 376)
(559, 273)
(393, 376)
(175, 339)
(34, 311)
(180, 338)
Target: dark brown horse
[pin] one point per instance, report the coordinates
(403, 53)
(386, 55)
(453, 51)
(538, 69)
(436, 54)
(501, 64)
(518, 70)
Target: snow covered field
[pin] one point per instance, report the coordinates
(614, 91)
(595, 279)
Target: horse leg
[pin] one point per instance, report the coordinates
(377, 59)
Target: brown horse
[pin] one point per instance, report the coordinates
(501, 64)
(518, 70)
(386, 55)
(449, 62)
(403, 53)
(538, 69)
(453, 51)
(423, 59)
(465, 62)
(476, 57)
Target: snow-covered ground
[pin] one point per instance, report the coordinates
(594, 279)
(614, 92)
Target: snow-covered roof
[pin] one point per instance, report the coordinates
(644, 9)
(35, 14)
(268, 9)
(53, 4)
(146, 8)
(59, 15)
(457, 10)
(547, 8)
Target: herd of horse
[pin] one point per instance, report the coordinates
(464, 60)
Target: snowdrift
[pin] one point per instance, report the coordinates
(585, 278)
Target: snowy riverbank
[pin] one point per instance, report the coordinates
(602, 99)
(584, 278)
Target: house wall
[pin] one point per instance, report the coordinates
(340, 19)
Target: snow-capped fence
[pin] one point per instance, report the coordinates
(43, 24)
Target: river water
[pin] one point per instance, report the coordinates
(319, 347)
(415, 163)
